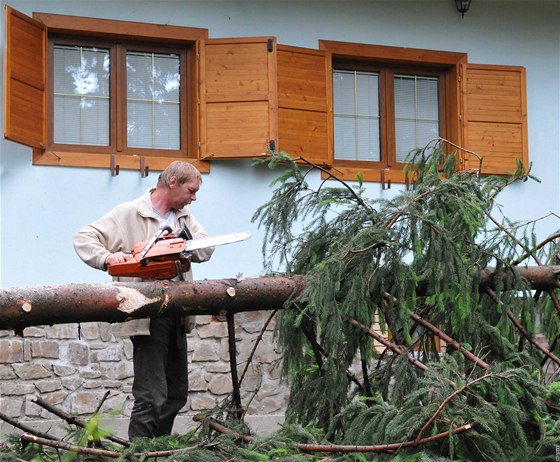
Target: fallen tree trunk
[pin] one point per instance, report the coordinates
(118, 301)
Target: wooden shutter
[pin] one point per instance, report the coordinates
(304, 103)
(495, 117)
(25, 79)
(238, 97)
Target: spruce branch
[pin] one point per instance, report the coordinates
(381, 448)
(341, 448)
(520, 327)
(25, 428)
(73, 420)
(358, 199)
(29, 438)
(447, 339)
(390, 345)
(448, 399)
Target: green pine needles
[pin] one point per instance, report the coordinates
(413, 266)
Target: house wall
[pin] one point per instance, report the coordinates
(42, 207)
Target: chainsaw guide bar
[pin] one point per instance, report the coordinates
(166, 256)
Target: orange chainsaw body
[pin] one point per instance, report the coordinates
(163, 260)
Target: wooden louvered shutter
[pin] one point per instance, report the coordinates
(495, 117)
(25, 79)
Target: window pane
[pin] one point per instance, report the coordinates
(416, 112)
(356, 115)
(81, 95)
(153, 100)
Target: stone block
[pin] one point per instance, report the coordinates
(205, 352)
(197, 380)
(48, 385)
(115, 402)
(114, 371)
(32, 371)
(11, 351)
(202, 402)
(127, 349)
(105, 331)
(212, 330)
(16, 389)
(72, 383)
(56, 398)
(78, 354)
(31, 409)
(12, 407)
(45, 349)
(63, 371)
(220, 384)
(218, 367)
(91, 373)
(34, 331)
(62, 331)
(7, 373)
(108, 354)
(89, 331)
(85, 402)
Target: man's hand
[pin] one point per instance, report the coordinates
(117, 257)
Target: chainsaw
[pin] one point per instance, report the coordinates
(166, 255)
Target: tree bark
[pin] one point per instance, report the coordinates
(22, 307)
(118, 301)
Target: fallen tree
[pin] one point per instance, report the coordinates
(118, 301)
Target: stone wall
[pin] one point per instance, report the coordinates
(72, 366)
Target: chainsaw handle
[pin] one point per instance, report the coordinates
(153, 240)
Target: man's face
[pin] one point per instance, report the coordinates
(185, 193)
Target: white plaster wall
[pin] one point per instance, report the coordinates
(42, 207)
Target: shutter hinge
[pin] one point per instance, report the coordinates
(270, 45)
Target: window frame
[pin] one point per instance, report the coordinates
(387, 130)
(389, 59)
(118, 99)
(122, 35)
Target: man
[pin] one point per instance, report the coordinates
(160, 384)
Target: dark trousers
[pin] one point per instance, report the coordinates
(160, 386)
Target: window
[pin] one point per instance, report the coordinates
(416, 106)
(112, 92)
(357, 115)
(412, 114)
(148, 88)
(386, 102)
(81, 107)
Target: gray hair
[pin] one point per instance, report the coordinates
(184, 171)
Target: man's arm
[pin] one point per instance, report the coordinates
(99, 244)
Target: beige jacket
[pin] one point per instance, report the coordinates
(119, 230)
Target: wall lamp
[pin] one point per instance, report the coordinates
(462, 6)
